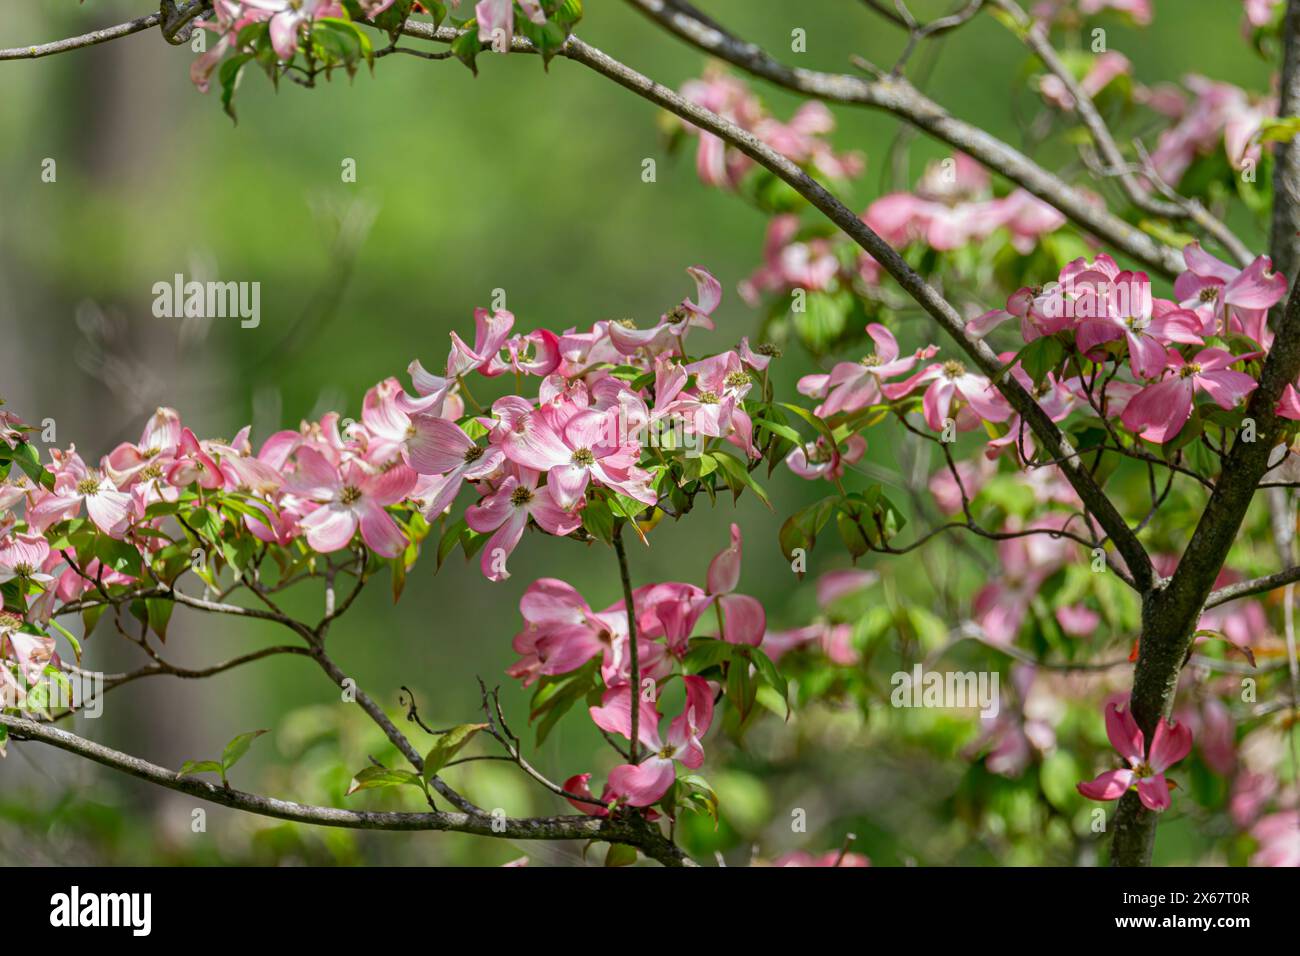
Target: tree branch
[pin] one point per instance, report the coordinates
(634, 669)
(1241, 589)
(183, 15)
(1036, 39)
(629, 830)
(899, 97)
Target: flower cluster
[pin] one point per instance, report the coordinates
(953, 206)
(1138, 10)
(564, 643)
(603, 427)
(304, 39)
(1095, 319)
(1220, 116)
(801, 138)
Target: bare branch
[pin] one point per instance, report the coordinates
(1241, 589)
(629, 829)
(183, 15)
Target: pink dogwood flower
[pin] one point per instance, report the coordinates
(945, 381)
(855, 385)
(505, 513)
(351, 496)
(23, 556)
(832, 858)
(743, 617)
(1127, 311)
(587, 447)
(109, 508)
(790, 264)
(494, 15)
(447, 460)
(1227, 298)
(193, 464)
(670, 333)
(1278, 835)
(491, 329)
(1103, 69)
(562, 630)
(645, 783)
(1222, 113)
(818, 460)
(535, 353)
(1159, 411)
(288, 17)
(1170, 744)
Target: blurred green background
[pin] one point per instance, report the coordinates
(520, 179)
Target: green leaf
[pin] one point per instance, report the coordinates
(785, 431)
(1280, 130)
(29, 460)
(767, 670)
(117, 555)
(800, 530)
(741, 687)
(229, 75)
(466, 47)
(598, 519)
(620, 854)
(450, 538)
(555, 696)
(448, 745)
(236, 749)
(698, 467)
(373, 778)
(852, 534)
(823, 429)
(205, 524)
(160, 614)
(568, 13)
(198, 766)
(1040, 357)
(695, 793)
(738, 477)
(706, 652)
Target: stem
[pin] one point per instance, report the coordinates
(399, 740)
(634, 670)
(627, 829)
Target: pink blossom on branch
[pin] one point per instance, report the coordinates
(1170, 744)
(645, 783)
